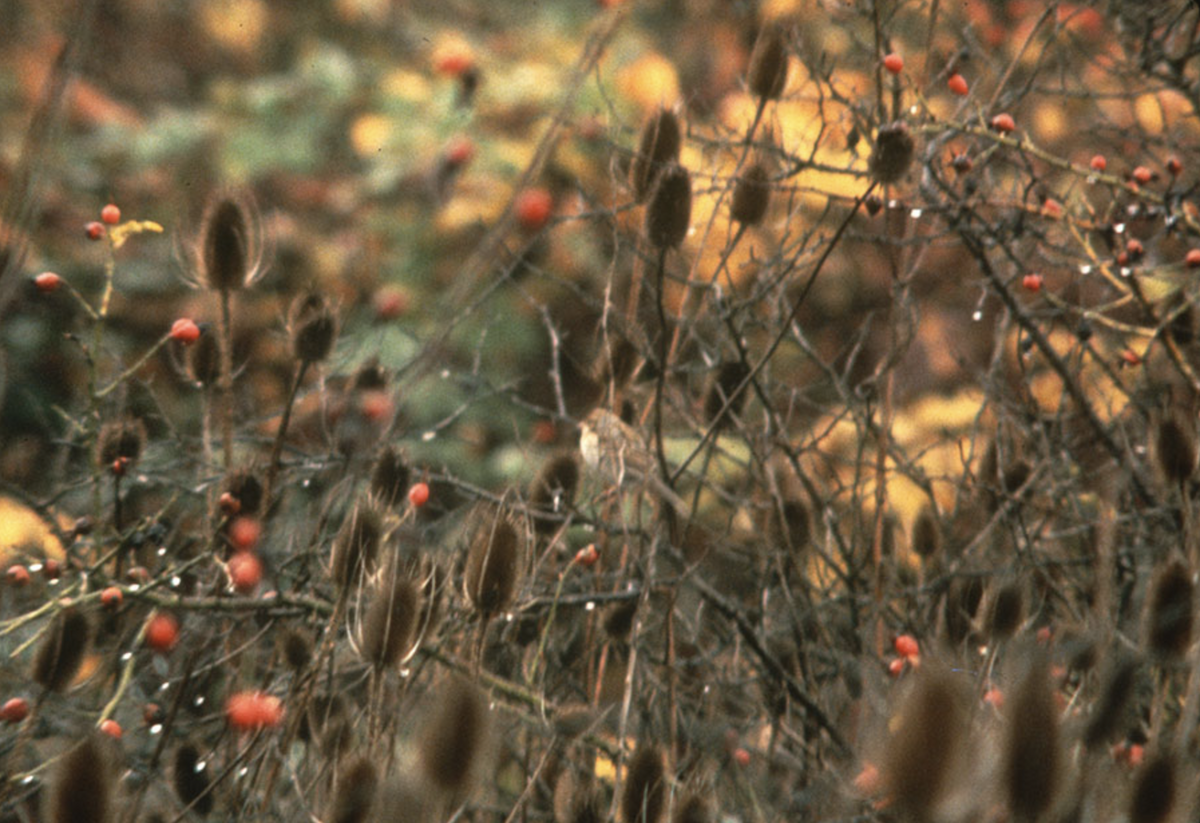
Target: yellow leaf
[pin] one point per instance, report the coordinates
(126, 230)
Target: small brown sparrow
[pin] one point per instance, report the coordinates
(615, 450)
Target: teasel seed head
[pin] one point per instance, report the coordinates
(767, 73)
(1031, 752)
(553, 489)
(644, 795)
(577, 799)
(354, 794)
(1169, 611)
(390, 625)
(751, 196)
(658, 146)
(83, 784)
(959, 608)
(1175, 448)
(313, 328)
(615, 362)
(618, 619)
(191, 783)
(297, 647)
(1154, 790)
(62, 650)
(669, 213)
(926, 534)
(693, 808)
(495, 560)
(245, 487)
(124, 438)
(573, 719)
(1110, 708)
(390, 477)
(1005, 611)
(228, 253)
(728, 378)
(203, 360)
(357, 544)
(927, 743)
(893, 152)
(454, 736)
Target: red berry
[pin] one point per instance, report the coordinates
(390, 302)
(111, 728)
(14, 710)
(47, 282)
(587, 556)
(533, 208)
(1174, 165)
(994, 697)
(1123, 258)
(244, 533)
(376, 405)
(153, 713)
(418, 495)
(17, 575)
(460, 151)
(229, 504)
(245, 572)
(896, 667)
(454, 63)
(111, 597)
(1004, 123)
(162, 632)
(1052, 208)
(1032, 282)
(1193, 258)
(1131, 358)
(110, 214)
(119, 466)
(1135, 248)
(741, 756)
(1099, 163)
(1142, 175)
(185, 331)
(94, 230)
(51, 568)
(958, 85)
(138, 574)
(907, 646)
(253, 710)
(544, 431)
(894, 63)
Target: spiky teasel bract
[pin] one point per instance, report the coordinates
(245, 486)
(190, 777)
(62, 650)
(577, 798)
(1169, 611)
(354, 795)
(669, 213)
(658, 146)
(122, 439)
(229, 250)
(768, 69)
(644, 795)
(552, 490)
(356, 545)
(390, 624)
(893, 152)
(454, 736)
(390, 477)
(495, 559)
(83, 784)
(1031, 757)
(926, 533)
(1006, 610)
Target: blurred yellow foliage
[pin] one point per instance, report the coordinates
(235, 24)
(649, 81)
(370, 133)
(22, 532)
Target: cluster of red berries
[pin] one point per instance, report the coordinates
(253, 710)
(244, 568)
(909, 654)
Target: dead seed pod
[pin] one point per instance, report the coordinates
(454, 736)
(1110, 709)
(926, 743)
(658, 146)
(1006, 610)
(893, 152)
(1169, 612)
(297, 648)
(693, 808)
(553, 490)
(244, 486)
(577, 799)
(1175, 448)
(645, 792)
(926, 533)
(495, 560)
(228, 253)
(354, 794)
(357, 544)
(1154, 790)
(390, 625)
(960, 607)
(1031, 752)
(62, 650)
(728, 379)
(573, 719)
(669, 213)
(616, 361)
(190, 779)
(767, 73)
(83, 784)
(121, 440)
(390, 477)
(313, 328)
(203, 359)
(751, 196)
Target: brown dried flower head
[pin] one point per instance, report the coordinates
(669, 213)
(893, 152)
(658, 147)
(751, 196)
(228, 252)
(313, 327)
(767, 74)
